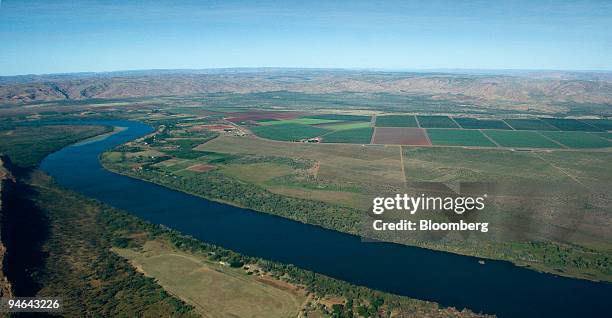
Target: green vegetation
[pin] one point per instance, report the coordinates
(396, 121)
(344, 177)
(353, 136)
(564, 182)
(529, 124)
(82, 270)
(458, 137)
(288, 132)
(578, 139)
(570, 124)
(302, 121)
(59, 245)
(142, 241)
(217, 186)
(345, 125)
(607, 135)
(526, 139)
(474, 123)
(28, 145)
(341, 117)
(436, 122)
(80, 267)
(605, 124)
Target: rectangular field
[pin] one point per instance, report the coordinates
(570, 124)
(529, 124)
(475, 123)
(396, 121)
(400, 136)
(341, 117)
(288, 132)
(605, 124)
(303, 121)
(578, 139)
(351, 136)
(526, 139)
(607, 135)
(345, 125)
(237, 117)
(458, 137)
(436, 122)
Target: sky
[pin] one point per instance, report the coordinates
(61, 36)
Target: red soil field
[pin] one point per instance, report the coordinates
(200, 168)
(259, 115)
(400, 136)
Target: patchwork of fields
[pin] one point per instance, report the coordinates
(454, 137)
(438, 130)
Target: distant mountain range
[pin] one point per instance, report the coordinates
(540, 87)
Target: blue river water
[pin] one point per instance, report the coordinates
(452, 280)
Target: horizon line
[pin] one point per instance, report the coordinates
(371, 69)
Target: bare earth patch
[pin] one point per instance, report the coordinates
(400, 136)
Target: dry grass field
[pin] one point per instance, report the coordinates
(215, 290)
(356, 164)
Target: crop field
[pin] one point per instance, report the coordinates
(396, 121)
(578, 139)
(354, 136)
(529, 124)
(400, 136)
(303, 121)
(341, 117)
(607, 135)
(458, 137)
(570, 124)
(287, 132)
(237, 117)
(345, 125)
(213, 289)
(526, 139)
(474, 123)
(605, 124)
(436, 122)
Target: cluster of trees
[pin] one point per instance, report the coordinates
(217, 186)
(80, 267)
(360, 301)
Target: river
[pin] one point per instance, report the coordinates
(496, 287)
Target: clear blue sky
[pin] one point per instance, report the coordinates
(50, 36)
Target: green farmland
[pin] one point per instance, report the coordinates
(302, 121)
(607, 135)
(345, 125)
(288, 132)
(458, 137)
(570, 124)
(396, 121)
(578, 139)
(529, 124)
(605, 124)
(474, 123)
(340, 117)
(353, 136)
(436, 122)
(527, 139)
